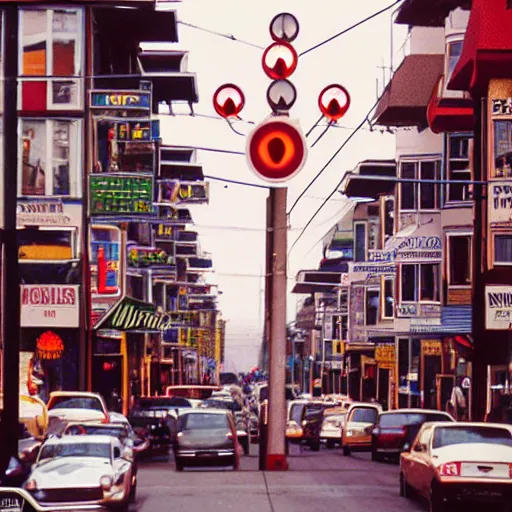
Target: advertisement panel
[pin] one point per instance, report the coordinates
(124, 100)
(500, 203)
(50, 305)
(47, 212)
(498, 308)
(183, 192)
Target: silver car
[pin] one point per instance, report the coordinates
(82, 470)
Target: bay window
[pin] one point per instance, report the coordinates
(418, 195)
(502, 149)
(51, 157)
(458, 167)
(51, 59)
(420, 282)
(453, 52)
(459, 260)
(372, 306)
(360, 241)
(503, 249)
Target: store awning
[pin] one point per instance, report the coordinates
(314, 281)
(449, 114)
(487, 50)
(182, 171)
(405, 99)
(354, 187)
(428, 13)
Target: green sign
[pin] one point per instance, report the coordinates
(114, 195)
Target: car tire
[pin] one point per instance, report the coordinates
(346, 451)
(405, 488)
(179, 464)
(436, 503)
(329, 444)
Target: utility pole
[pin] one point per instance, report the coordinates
(11, 281)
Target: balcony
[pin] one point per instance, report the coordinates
(355, 187)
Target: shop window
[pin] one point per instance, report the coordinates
(503, 249)
(47, 244)
(502, 149)
(50, 59)
(453, 52)
(419, 195)
(459, 260)
(372, 306)
(458, 167)
(389, 217)
(51, 158)
(420, 282)
(389, 299)
(359, 241)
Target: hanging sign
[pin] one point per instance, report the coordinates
(114, 195)
(500, 203)
(124, 100)
(47, 212)
(498, 308)
(385, 354)
(49, 346)
(140, 256)
(183, 192)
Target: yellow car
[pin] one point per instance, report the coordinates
(360, 422)
(33, 413)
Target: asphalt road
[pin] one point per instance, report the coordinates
(316, 482)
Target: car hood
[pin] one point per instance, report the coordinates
(76, 414)
(71, 472)
(474, 452)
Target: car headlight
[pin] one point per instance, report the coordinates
(106, 482)
(31, 485)
(407, 446)
(350, 433)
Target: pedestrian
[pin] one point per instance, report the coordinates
(458, 401)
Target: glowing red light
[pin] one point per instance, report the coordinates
(228, 100)
(279, 60)
(334, 102)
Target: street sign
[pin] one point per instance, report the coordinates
(334, 102)
(276, 149)
(228, 100)
(279, 60)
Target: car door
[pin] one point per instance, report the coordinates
(422, 462)
(411, 466)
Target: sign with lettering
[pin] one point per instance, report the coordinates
(409, 248)
(502, 107)
(117, 195)
(500, 203)
(183, 192)
(47, 212)
(140, 256)
(385, 354)
(498, 308)
(125, 100)
(431, 348)
(404, 310)
(164, 232)
(52, 305)
(11, 501)
(362, 271)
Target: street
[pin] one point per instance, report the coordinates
(324, 480)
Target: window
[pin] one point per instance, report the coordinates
(503, 249)
(50, 59)
(419, 195)
(389, 301)
(47, 244)
(389, 217)
(502, 149)
(360, 241)
(420, 282)
(372, 306)
(51, 158)
(453, 51)
(459, 271)
(339, 327)
(458, 167)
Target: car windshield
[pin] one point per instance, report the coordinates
(466, 435)
(95, 430)
(162, 402)
(204, 421)
(228, 405)
(67, 402)
(296, 412)
(364, 415)
(51, 451)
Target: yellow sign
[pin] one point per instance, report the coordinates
(431, 348)
(385, 354)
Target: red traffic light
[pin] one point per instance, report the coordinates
(228, 100)
(276, 150)
(334, 101)
(279, 60)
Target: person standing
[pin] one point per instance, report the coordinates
(458, 402)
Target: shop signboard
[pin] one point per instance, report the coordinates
(123, 100)
(52, 305)
(363, 271)
(498, 308)
(500, 203)
(47, 212)
(144, 257)
(174, 216)
(121, 195)
(164, 232)
(385, 355)
(183, 192)
(411, 248)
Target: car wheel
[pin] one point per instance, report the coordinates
(330, 444)
(179, 465)
(346, 451)
(436, 503)
(405, 489)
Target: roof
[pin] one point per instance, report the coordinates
(80, 439)
(356, 187)
(86, 394)
(428, 13)
(414, 411)
(405, 99)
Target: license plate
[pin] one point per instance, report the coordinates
(206, 454)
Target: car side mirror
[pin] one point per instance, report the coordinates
(420, 448)
(117, 453)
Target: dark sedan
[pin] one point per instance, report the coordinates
(206, 437)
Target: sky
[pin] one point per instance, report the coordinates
(232, 226)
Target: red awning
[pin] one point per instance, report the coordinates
(449, 114)
(487, 50)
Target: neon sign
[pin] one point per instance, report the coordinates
(148, 256)
(140, 100)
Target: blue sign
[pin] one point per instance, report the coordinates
(124, 100)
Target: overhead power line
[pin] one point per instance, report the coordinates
(335, 36)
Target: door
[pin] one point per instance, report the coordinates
(383, 387)
(431, 365)
(107, 379)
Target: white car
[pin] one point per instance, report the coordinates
(82, 470)
(72, 406)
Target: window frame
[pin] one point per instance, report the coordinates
(418, 161)
(377, 317)
(383, 298)
(365, 224)
(494, 236)
(449, 237)
(450, 41)
(75, 157)
(449, 172)
(417, 282)
(75, 245)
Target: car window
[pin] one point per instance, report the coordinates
(204, 421)
(438, 417)
(51, 451)
(67, 402)
(162, 402)
(93, 430)
(335, 418)
(396, 420)
(444, 436)
(364, 415)
(296, 413)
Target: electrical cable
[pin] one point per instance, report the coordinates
(336, 153)
(233, 128)
(335, 36)
(314, 126)
(320, 136)
(322, 170)
(231, 37)
(235, 182)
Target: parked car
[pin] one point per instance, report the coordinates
(158, 426)
(305, 422)
(71, 406)
(207, 437)
(33, 414)
(332, 426)
(395, 430)
(459, 462)
(357, 434)
(82, 470)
